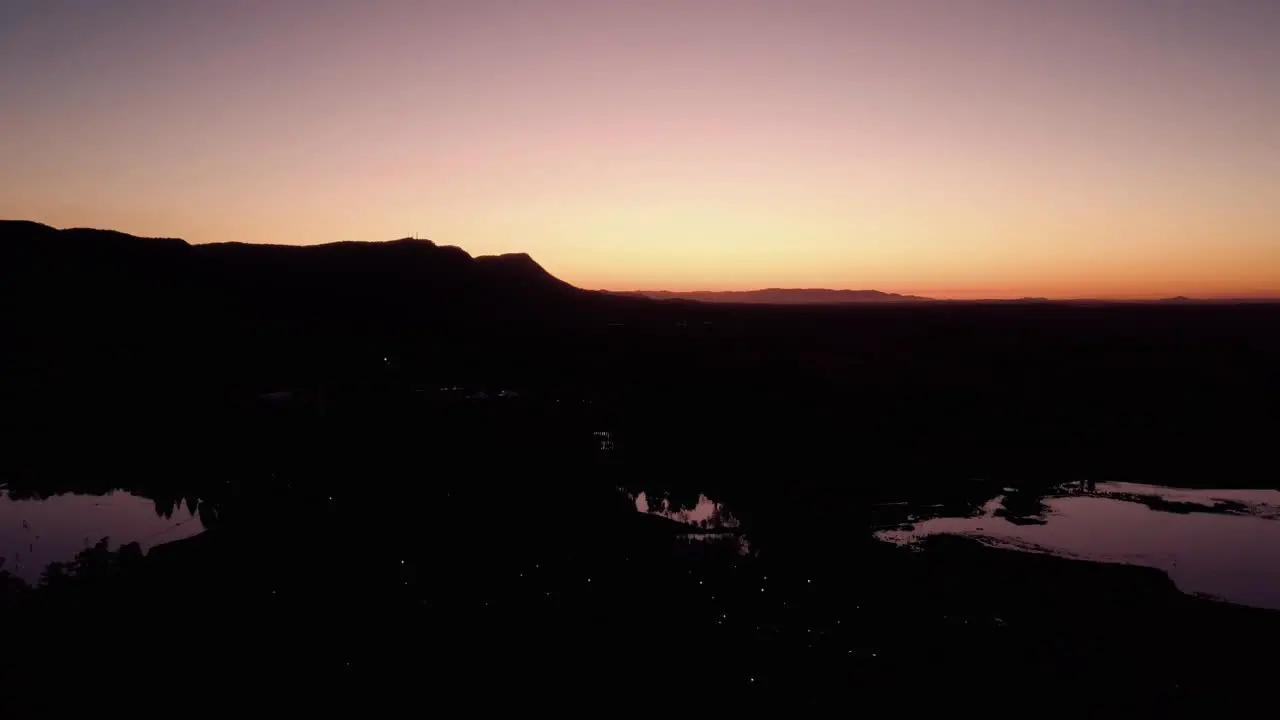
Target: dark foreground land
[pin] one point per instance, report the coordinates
(375, 538)
(380, 584)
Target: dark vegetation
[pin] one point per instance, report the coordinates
(375, 535)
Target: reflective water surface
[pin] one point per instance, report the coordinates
(717, 527)
(706, 514)
(1220, 543)
(36, 532)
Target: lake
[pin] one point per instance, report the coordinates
(37, 532)
(716, 524)
(1219, 543)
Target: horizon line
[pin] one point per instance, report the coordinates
(923, 296)
(1241, 298)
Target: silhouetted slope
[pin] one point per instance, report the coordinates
(782, 296)
(520, 270)
(94, 311)
(37, 258)
(79, 301)
(408, 280)
(400, 277)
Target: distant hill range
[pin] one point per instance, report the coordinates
(98, 309)
(819, 296)
(108, 268)
(351, 282)
(103, 328)
(781, 296)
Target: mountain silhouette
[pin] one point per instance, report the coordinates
(90, 312)
(159, 340)
(782, 296)
(110, 269)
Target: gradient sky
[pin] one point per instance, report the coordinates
(954, 148)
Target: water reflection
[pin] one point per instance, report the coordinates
(36, 532)
(710, 545)
(718, 529)
(1221, 543)
(705, 513)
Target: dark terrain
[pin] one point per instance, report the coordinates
(376, 534)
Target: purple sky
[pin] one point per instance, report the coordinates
(954, 148)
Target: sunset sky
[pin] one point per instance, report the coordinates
(952, 148)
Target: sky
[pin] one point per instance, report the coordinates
(949, 148)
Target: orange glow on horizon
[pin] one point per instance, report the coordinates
(977, 149)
